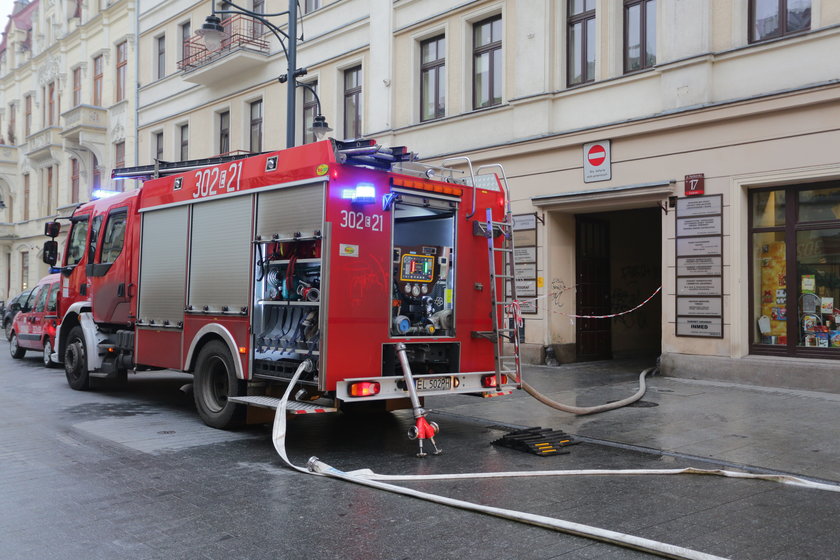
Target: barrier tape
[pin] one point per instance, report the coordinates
(610, 316)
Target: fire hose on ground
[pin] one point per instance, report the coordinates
(367, 477)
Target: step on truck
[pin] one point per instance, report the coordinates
(348, 256)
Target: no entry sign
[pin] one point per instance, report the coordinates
(596, 162)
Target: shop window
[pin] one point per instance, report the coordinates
(796, 271)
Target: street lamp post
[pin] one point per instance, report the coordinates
(213, 33)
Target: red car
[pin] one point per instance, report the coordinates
(34, 327)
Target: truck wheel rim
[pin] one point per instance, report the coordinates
(13, 344)
(47, 352)
(216, 388)
(75, 357)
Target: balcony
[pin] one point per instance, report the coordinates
(85, 123)
(45, 144)
(242, 49)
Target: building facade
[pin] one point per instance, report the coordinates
(67, 109)
(677, 159)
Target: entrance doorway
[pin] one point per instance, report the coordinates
(618, 263)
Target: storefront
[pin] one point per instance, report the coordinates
(795, 273)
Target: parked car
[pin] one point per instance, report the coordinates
(12, 309)
(34, 327)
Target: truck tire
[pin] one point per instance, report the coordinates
(214, 381)
(16, 351)
(75, 361)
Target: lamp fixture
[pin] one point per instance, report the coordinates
(212, 32)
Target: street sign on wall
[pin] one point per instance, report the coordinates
(597, 165)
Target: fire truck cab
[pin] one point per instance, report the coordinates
(239, 271)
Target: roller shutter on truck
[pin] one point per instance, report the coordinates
(163, 267)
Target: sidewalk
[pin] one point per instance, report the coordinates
(779, 429)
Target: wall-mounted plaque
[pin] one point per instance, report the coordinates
(711, 327)
(526, 270)
(700, 306)
(524, 255)
(704, 286)
(694, 246)
(704, 225)
(699, 206)
(699, 266)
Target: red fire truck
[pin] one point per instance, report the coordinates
(347, 255)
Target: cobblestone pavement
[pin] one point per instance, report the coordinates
(134, 474)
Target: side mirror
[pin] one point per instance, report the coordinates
(52, 229)
(50, 252)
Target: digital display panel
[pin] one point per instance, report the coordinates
(417, 268)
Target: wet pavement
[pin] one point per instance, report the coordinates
(133, 473)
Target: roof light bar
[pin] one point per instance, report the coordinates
(429, 186)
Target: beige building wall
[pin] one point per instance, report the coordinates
(746, 115)
(46, 45)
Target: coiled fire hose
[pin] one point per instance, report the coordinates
(367, 477)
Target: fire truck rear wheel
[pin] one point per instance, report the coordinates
(75, 361)
(214, 381)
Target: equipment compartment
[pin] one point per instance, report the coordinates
(287, 305)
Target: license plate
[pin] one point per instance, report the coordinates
(434, 383)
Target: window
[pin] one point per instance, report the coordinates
(119, 155)
(432, 78)
(580, 42)
(639, 34)
(24, 271)
(184, 131)
(774, 18)
(78, 237)
(96, 175)
(224, 132)
(49, 189)
(487, 63)
(52, 299)
(353, 102)
(796, 270)
(122, 64)
(311, 6)
(74, 180)
(27, 116)
(97, 80)
(158, 145)
(41, 299)
(113, 239)
(77, 87)
(12, 124)
(160, 50)
(26, 197)
(310, 110)
(259, 8)
(50, 108)
(256, 126)
(185, 40)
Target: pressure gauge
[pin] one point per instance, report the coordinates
(415, 291)
(407, 289)
(425, 289)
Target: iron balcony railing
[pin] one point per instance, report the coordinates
(241, 32)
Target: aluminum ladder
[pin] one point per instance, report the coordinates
(505, 309)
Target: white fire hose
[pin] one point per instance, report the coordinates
(367, 477)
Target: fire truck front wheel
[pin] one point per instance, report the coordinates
(75, 361)
(214, 381)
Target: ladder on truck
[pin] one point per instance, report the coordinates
(505, 311)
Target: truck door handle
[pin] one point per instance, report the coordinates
(121, 290)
